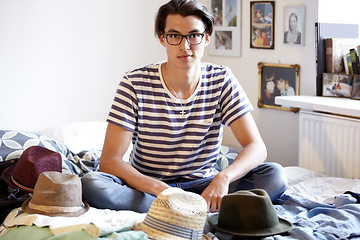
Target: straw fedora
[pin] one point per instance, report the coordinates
(33, 161)
(56, 194)
(248, 214)
(176, 214)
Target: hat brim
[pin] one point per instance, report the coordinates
(25, 208)
(6, 174)
(157, 234)
(282, 227)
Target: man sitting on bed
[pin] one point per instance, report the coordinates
(173, 112)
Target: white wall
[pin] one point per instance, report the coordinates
(61, 60)
(335, 11)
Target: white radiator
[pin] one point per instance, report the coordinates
(329, 144)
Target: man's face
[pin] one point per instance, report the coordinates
(184, 55)
(280, 84)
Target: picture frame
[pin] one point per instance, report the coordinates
(337, 85)
(355, 93)
(262, 24)
(226, 37)
(278, 80)
(294, 26)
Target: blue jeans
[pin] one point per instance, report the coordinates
(105, 191)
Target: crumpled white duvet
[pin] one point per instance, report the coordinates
(316, 186)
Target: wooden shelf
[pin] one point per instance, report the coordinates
(334, 105)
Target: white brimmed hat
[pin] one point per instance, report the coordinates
(176, 214)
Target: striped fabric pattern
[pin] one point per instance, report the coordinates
(172, 229)
(168, 145)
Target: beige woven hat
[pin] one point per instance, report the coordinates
(56, 194)
(176, 214)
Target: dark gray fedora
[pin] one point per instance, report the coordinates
(249, 214)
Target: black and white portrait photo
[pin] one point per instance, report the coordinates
(294, 25)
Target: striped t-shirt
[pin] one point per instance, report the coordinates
(169, 145)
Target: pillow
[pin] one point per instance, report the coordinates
(13, 143)
(297, 174)
(226, 157)
(78, 136)
(82, 137)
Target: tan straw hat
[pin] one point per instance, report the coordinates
(176, 214)
(56, 194)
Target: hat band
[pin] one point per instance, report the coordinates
(173, 229)
(54, 209)
(13, 180)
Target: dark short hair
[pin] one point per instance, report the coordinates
(184, 8)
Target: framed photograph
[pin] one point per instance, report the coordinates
(294, 26)
(337, 84)
(355, 94)
(278, 80)
(262, 20)
(226, 37)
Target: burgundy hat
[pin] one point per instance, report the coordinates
(32, 162)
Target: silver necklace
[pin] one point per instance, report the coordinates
(182, 106)
(173, 89)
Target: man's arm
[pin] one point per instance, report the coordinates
(116, 143)
(253, 153)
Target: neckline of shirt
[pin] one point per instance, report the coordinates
(183, 101)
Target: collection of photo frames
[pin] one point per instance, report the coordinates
(274, 79)
(226, 40)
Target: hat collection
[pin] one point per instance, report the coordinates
(174, 214)
(177, 214)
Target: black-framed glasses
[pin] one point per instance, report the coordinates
(176, 38)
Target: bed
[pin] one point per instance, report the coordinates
(319, 206)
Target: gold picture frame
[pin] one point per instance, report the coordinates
(277, 80)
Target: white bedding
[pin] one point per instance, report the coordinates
(303, 182)
(316, 186)
(80, 136)
(308, 191)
